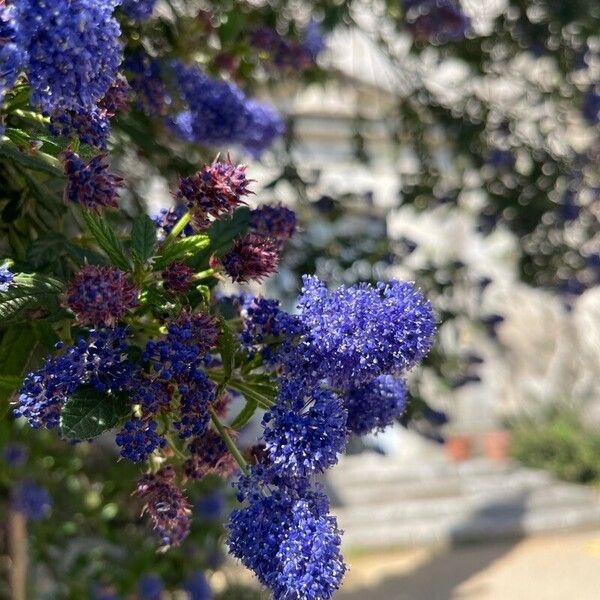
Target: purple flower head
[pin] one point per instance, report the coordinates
(90, 126)
(214, 192)
(197, 587)
(375, 406)
(91, 185)
(177, 277)
(100, 361)
(31, 500)
(167, 218)
(138, 10)
(100, 295)
(6, 278)
(138, 439)
(209, 454)
(116, 98)
(166, 506)
(150, 586)
(146, 83)
(286, 536)
(305, 431)
(354, 334)
(277, 222)
(187, 342)
(73, 50)
(14, 455)
(436, 20)
(252, 258)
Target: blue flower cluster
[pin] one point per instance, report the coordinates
(197, 587)
(138, 439)
(150, 586)
(145, 79)
(6, 278)
(73, 50)
(219, 113)
(287, 537)
(100, 361)
(12, 56)
(30, 499)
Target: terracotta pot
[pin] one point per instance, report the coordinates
(458, 447)
(496, 445)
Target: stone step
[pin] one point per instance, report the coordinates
(492, 502)
(371, 468)
(374, 492)
(457, 528)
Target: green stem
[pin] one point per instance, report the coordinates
(31, 116)
(177, 229)
(204, 274)
(228, 441)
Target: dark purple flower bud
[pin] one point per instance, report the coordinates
(277, 222)
(214, 192)
(100, 295)
(91, 126)
(177, 277)
(166, 506)
(91, 185)
(115, 100)
(252, 258)
(209, 454)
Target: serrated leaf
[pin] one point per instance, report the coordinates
(89, 413)
(107, 239)
(245, 414)
(181, 249)
(36, 162)
(227, 347)
(143, 238)
(27, 293)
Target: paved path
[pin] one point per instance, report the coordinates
(552, 567)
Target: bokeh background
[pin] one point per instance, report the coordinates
(453, 144)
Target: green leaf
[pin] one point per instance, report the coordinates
(107, 239)
(29, 293)
(228, 346)
(89, 413)
(245, 414)
(36, 162)
(143, 238)
(181, 249)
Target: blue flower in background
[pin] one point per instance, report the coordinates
(15, 455)
(150, 586)
(138, 10)
(6, 278)
(197, 587)
(31, 500)
(210, 506)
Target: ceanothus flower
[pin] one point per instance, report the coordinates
(263, 128)
(213, 192)
(30, 499)
(167, 218)
(277, 222)
(6, 278)
(305, 431)
(209, 454)
(90, 185)
(252, 258)
(12, 56)
(91, 126)
(177, 277)
(150, 586)
(197, 587)
(375, 406)
(101, 361)
(165, 504)
(286, 536)
(354, 334)
(146, 83)
(151, 394)
(73, 50)
(138, 439)
(197, 392)
(138, 10)
(100, 295)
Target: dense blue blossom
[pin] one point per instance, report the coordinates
(152, 395)
(188, 340)
(286, 536)
(436, 20)
(12, 57)
(73, 50)
(305, 431)
(218, 112)
(100, 295)
(277, 222)
(138, 439)
(197, 587)
(354, 334)
(90, 126)
(197, 392)
(6, 278)
(31, 500)
(90, 185)
(150, 586)
(376, 405)
(100, 361)
(138, 10)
